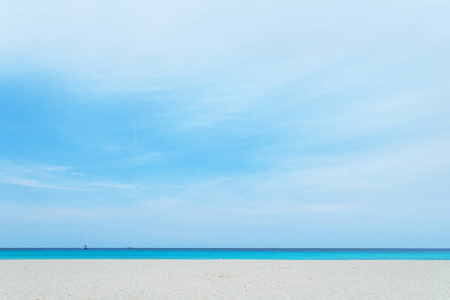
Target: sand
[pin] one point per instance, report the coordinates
(223, 279)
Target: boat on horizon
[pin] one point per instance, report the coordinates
(85, 236)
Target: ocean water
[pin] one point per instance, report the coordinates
(273, 254)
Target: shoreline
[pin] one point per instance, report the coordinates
(241, 254)
(223, 279)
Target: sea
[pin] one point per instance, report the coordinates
(228, 253)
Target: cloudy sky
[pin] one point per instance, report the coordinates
(224, 123)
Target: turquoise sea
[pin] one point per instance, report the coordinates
(276, 254)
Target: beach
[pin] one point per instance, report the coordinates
(224, 279)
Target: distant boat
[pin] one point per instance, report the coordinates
(85, 237)
(129, 247)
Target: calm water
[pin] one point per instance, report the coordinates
(291, 254)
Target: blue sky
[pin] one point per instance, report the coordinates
(224, 124)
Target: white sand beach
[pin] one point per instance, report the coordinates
(223, 279)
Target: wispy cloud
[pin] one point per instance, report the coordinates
(55, 168)
(52, 177)
(111, 184)
(33, 183)
(35, 175)
(137, 160)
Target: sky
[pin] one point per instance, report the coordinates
(301, 124)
